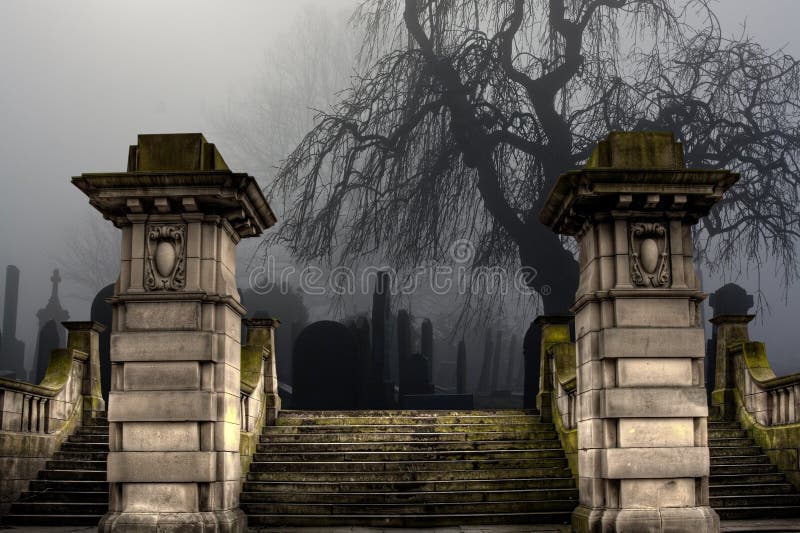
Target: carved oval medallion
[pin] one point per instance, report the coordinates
(648, 253)
(165, 258)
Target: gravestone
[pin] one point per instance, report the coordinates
(485, 379)
(416, 377)
(530, 353)
(102, 313)
(461, 368)
(326, 369)
(380, 383)
(513, 360)
(46, 342)
(426, 344)
(52, 312)
(498, 355)
(403, 348)
(12, 350)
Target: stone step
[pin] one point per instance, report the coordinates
(756, 513)
(735, 442)
(742, 469)
(307, 487)
(417, 475)
(721, 451)
(73, 475)
(726, 434)
(51, 518)
(739, 460)
(378, 455)
(65, 496)
(404, 466)
(97, 421)
(423, 497)
(39, 485)
(59, 508)
(270, 437)
(84, 447)
(410, 428)
(92, 430)
(502, 507)
(395, 446)
(291, 413)
(723, 424)
(407, 521)
(81, 456)
(402, 420)
(746, 479)
(75, 465)
(745, 490)
(756, 500)
(77, 438)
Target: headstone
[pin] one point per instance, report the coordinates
(514, 357)
(381, 385)
(416, 378)
(52, 312)
(102, 313)
(12, 350)
(485, 378)
(46, 342)
(531, 345)
(403, 348)
(326, 369)
(461, 368)
(498, 355)
(426, 343)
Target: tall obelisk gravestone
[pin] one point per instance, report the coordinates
(175, 347)
(642, 438)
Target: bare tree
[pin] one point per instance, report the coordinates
(91, 259)
(466, 111)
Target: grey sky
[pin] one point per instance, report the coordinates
(80, 79)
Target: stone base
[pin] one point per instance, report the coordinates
(666, 519)
(231, 521)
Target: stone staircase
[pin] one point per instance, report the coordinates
(744, 484)
(72, 489)
(408, 469)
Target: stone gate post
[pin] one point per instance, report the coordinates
(641, 405)
(174, 407)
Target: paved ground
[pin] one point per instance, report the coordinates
(729, 526)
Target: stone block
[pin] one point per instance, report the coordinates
(162, 316)
(160, 436)
(165, 406)
(154, 376)
(651, 312)
(227, 378)
(229, 322)
(194, 239)
(590, 376)
(656, 432)
(591, 433)
(652, 342)
(158, 467)
(658, 372)
(587, 347)
(209, 245)
(159, 497)
(228, 408)
(229, 467)
(655, 463)
(654, 402)
(137, 241)
(226, 436)
(605, 239)
(208, 275)
(161, 346)
(608, 277)
(588, 320)
(137, 275)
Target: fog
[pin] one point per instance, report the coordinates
(81, 79)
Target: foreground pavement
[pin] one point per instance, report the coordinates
(728, 526)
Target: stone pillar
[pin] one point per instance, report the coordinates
(261, 332)
(85, 336)
(174, 403)
(643, 451)
(555, 329)
(728, 329)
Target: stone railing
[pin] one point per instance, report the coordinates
(35, 419)
(557, 387)
(260, 402)
(747, 389)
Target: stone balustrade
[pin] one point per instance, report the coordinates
(747, 389)
(557, 395)
(35, 419)
(260, 402)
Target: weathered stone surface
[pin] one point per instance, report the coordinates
(162, 346)
(152, 376)
(162, 316)
(641, 372)
(653, 342)
(156, 436)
